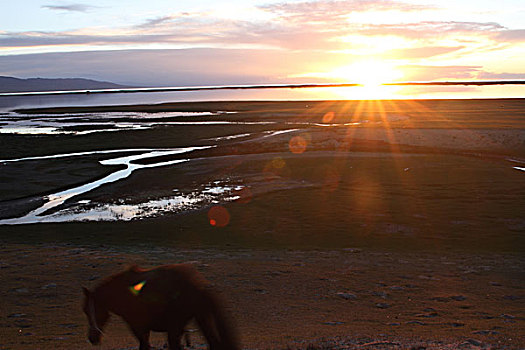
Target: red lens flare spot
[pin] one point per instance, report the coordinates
(328, 117)
(218, 216)
(297, 144)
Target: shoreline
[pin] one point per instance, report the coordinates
(212, 106)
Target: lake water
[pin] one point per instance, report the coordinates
(351, 93)
(8, 103)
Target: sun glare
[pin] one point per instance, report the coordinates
(367, 73)
(370, 75)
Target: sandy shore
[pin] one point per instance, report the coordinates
(396, 225)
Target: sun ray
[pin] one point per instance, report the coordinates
(371, 75)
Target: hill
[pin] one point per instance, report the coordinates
(10, 84)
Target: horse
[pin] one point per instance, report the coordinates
(162, 299)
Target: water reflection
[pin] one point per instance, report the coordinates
(67, 155)
(86, 210)
(83, 124)
(218, 189)
(124, 212)
(278, 132)
(56, 199)
(229, 137)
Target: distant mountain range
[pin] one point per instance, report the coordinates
(10, 84)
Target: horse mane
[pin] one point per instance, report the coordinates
(135, 268)
(119, 277)
(129, 276)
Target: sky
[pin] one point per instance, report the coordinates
(201, 42)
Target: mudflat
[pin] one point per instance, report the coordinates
(333, 224)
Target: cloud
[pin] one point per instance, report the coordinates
(426, 29)
(307, 25)
(421, 52)
(155, 21)
(35, 39)
(164, 67)
(516, 35)
(326, 10)
(189, 29)
(451, 90)
(501, 76)
(188, 67)
(429, 72)
(182, 67)
(71, 7)
(170, 19)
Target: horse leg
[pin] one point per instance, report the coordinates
(208, 329)
(187, 338)
(174, 338)
(176, 330)
(143, 338)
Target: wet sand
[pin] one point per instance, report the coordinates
(396, 225)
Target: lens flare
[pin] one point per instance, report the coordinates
(328, 117)
(278, 163)
(218, 216)
(135, 289)
(297, 145)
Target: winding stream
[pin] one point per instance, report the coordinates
(56, 199)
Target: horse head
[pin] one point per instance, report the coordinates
(97, 316)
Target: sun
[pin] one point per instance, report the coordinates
(367, 73)
(370, 74)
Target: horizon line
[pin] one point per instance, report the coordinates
(259, 86)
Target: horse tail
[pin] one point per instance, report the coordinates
(216, 324)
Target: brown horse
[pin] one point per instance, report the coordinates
(163, 299)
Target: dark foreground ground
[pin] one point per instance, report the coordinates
(333, 299)
(403, 231)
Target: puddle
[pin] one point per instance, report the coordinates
(338, 124)
(278, 132)
(56, 199)
(29, 130)
(230, 137)
(88, 123)
(123, 212)
(215, 122)
(519, 161)
(85, 210)
(66, 155)
(57, 117)
(48, 129)
(221, 189)
(64, 124)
